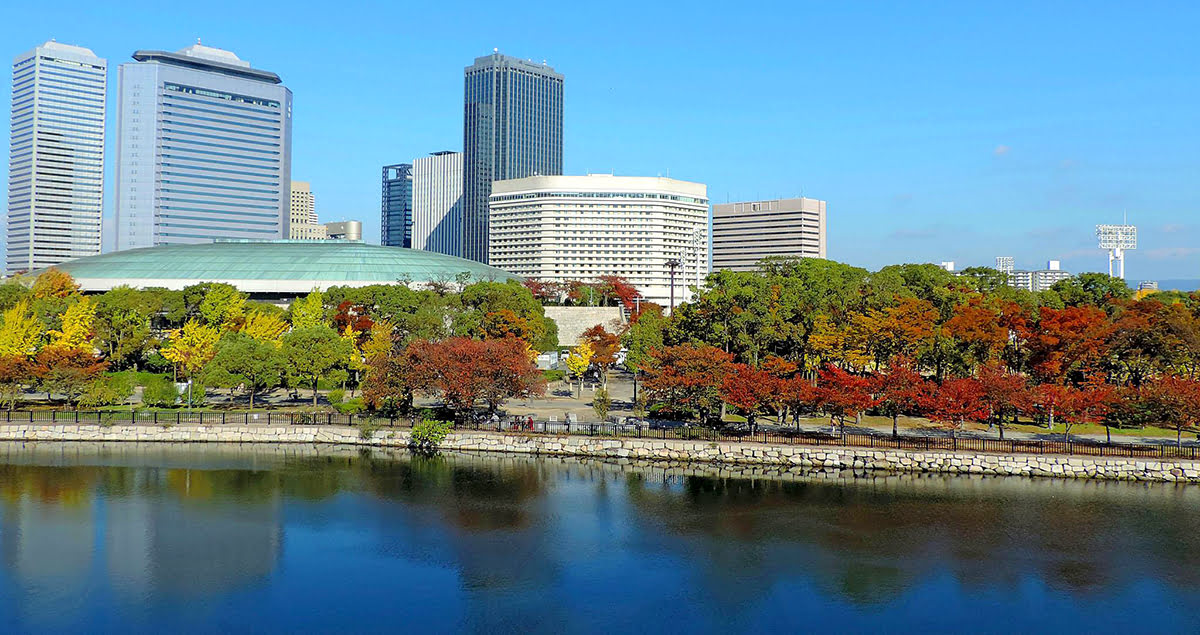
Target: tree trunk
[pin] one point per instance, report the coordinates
(251, 399)
(1000, 426)
(1179, 437)
(1107, 434)
(314, 385)
(896, 426)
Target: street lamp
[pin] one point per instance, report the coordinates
(673, 264)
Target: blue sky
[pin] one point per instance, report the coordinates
(936, 131)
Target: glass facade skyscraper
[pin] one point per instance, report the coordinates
(437, 203)
(396, 214)
(203, 151)
(512, 128)
(56, 156)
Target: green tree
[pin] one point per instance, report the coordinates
(601, 402)
(644, 335)
(242, 359)
(123, 320)
(1092, 289)
(313, 353)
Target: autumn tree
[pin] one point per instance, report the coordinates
(1089, 403)
(20, 332)
(687, 377)
(16, 372)
(956, 401)
(507, 371)
(1177, 401)
(1005, 394)
(605, 347)
(77, 326)
(579, 360)
(264, 327)
(223, 305)
(843, 395)
(66, 371)
(748, 390)
(897, 389)
(191, 347)
(308, 311)
(1050, 400)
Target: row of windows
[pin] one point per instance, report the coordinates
(216, 94)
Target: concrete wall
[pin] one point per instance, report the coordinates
(800, 456)
(572, 321)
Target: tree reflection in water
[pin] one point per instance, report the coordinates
(513, 531)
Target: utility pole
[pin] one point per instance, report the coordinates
(673, 264)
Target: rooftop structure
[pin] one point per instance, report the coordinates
(1117, 239)
(272, 269)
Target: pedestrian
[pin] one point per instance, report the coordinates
(529, 423)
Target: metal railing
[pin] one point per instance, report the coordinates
(1079, 447)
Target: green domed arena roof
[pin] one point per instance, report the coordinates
(273, 267)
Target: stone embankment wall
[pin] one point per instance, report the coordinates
(857, 459)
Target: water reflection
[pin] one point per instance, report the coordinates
(497, 542)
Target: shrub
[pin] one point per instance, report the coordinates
(351, 407)
(367, 428)
(601, 402)
(554, 375)
(428, 434)
(337, 396)
(198, 395)
(106, 391)
(159, 392)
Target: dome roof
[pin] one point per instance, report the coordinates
(280, 267)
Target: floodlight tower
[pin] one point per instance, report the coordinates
(1117, 239)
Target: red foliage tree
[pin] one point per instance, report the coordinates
(507, 372)
(619, 289)
(955, 402)
(1049, 400)
(354, 316)
(1005, 394)
(748, 390)
(465, 371)
(1088, 404)
(798, 395)
(15, 373)
(842, 395)
(1068, 340)
(65, 370)
(605, 347)
(1177, 401)
(687, 376)
(898, 389)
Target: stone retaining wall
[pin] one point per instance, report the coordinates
(835, 458)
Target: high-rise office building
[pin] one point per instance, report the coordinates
(302, 214)
(437, 203)
(203, 151)
(396, 220)
(745, 233)
(512, 128)
(566, 228)
(56, 156)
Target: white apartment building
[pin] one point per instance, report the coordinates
(56, 156)
(303, 224)
(745, 233)
(1039, 280)
(564, 228)
(437, 187)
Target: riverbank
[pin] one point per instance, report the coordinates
(676, 451)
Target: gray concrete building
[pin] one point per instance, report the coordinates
(203, 149)
(56, 156)
(512, 128)
(745, 233)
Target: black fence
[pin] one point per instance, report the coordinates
(1165, 450)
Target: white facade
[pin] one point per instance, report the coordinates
(203, 149)
(56, 156)
(437, 182)
(745, 233)
(302, 213)
(565, 228)
(1040, 280)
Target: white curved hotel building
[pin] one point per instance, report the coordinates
(563, 228)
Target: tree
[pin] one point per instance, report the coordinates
(688, 377)
(955, 402)
(843, 395)
(643, 335)
(1050, 399)
(1177, 401)
(748, 390)
(20, 332)
(1090, 404)
(579, 360)
(601, 402)
(898, 390)
(123, 321)
(308, 311)
(312, 353)
(605, 347)
(15, 373)
(66, 371)
(54, 283)
(1004, 394)
(223, 305)
(264, 327)
(1092, 289)
(507, 371)
(192, 346)
(78, 326)
(240, 358)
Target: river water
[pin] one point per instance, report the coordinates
(210, 538)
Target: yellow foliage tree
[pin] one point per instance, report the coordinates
(308, 311)
(192, 346)
(54, 283)
(264, 327)
(579, 359)
(380, 342)
(20, 332)
(78, 326)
